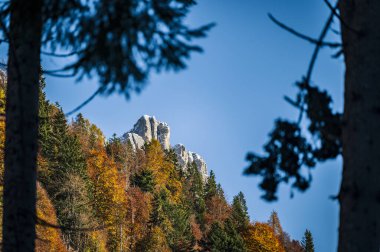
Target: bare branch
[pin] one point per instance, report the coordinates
(302, 36)
(319, 45)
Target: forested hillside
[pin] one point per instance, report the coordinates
(98, 194)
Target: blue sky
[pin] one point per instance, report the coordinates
(225, 103)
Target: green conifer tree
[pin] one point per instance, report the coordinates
(239, 214)
(234, 242)
(181, 237)
(144, 180)
(211, 186)
(194, 191)
(216, 238)
(308, 242)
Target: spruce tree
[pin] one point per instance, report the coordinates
(144, 180)
(158, 216)
(117, 151)
(194, 190)
(65, 178)
(181, 237)
(211, 186)
(216, 238)
(234, 242)
(239, 214)
(308, 242)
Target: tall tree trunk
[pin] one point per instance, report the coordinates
(360, 189)
(22, 125)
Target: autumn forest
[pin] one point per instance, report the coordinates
(98, 194)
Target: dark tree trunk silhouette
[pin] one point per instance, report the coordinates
(22, 125)
(360, 190)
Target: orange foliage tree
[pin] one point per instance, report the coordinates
(260, 237)
(48, 238)
(108, 194)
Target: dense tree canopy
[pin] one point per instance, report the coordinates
(99, 195)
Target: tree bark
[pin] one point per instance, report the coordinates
(22, 125)
(360, 189)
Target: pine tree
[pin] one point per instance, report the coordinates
(194, 191)
(65, 175)
(181, 237)
(144, 180)
(160, 205)
(239, 214)
(216, 238)
(234, 241)
(211, 186)
(308, 242)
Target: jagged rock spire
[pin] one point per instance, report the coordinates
(148, 128)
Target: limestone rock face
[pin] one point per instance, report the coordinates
(136, 141)
(148, 128)
(187, 157)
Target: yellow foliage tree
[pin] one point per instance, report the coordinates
(154, 241)
(164, 172)
(260, 237)
(108, 194)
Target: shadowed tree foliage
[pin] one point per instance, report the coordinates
(119, 41)
(288, 150)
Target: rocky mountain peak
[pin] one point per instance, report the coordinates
(148, 128)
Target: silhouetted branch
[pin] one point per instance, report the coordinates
(59, 55)
(337, 54)
(59, 75)
(302, 36)
(291, 102)
(318, 46)
(65, 69)
(336, 14)
(98, 91)
(315, 55)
